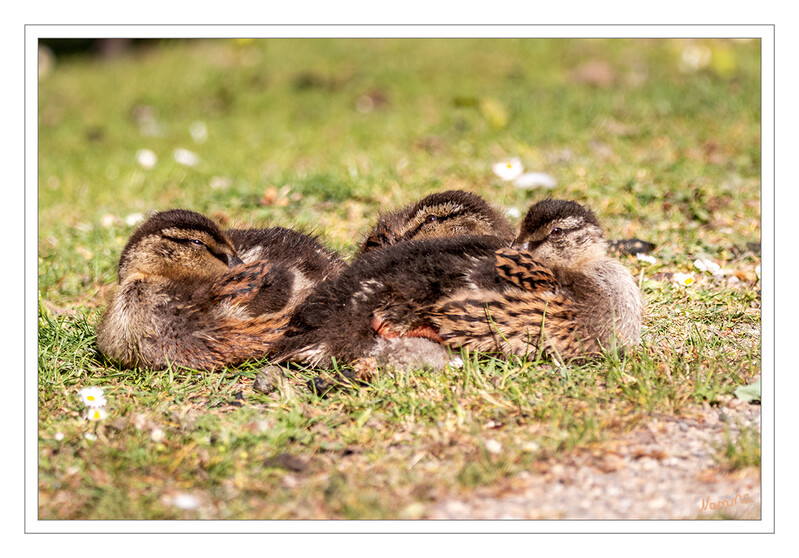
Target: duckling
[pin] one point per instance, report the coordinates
(302, 260)
(449, 213)
(586, 302)
(344, 317)
(556, 291)
(186, 298)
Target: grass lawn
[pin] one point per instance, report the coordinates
(660, 137)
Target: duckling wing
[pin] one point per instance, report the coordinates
(258, 287)
(519, 268)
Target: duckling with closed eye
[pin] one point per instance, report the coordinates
(449, 213)
(572, 299)
(556, 291)
(186, 298)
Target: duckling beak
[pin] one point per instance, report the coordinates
(233, 261)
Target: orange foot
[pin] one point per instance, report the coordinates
(384, 330)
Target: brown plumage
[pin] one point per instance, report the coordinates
(185, 298)
(556, 291)
(449, 213)
(342, 318)
(571, 300)
(300, 260)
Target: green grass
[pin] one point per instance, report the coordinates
(662, 154)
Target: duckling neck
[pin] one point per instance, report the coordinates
(608, 298)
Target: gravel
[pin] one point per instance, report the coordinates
(666, 469)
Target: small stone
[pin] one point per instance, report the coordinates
(268, 379)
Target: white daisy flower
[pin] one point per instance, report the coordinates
(95, 413)
(685, 279)
(508, 169)
(92, 397)
(757, 271)
(646, 258)
(456, 362)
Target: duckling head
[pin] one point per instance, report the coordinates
(443, 214)
(562, 234)
(176, 244)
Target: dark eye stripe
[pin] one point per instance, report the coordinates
(438, 219)
(221, 256)
(184, 240)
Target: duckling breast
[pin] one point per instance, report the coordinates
(614, 302)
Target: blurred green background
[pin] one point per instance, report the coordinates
(660, 137)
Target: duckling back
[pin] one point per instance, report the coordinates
(395, 284)
(442, 214)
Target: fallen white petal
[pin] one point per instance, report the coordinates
(513, 213)
(535, 180)
(185, 501)
(199, 131)
(492, 446)
(220, 183)
(703, 264)
(134, 219)
(185, 157)
(146, 158)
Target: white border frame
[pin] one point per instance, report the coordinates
(763, 32)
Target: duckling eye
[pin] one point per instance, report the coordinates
(430, 219)
(197, 242)
(556, 231)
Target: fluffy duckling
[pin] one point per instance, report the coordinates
(347, 317)
(557, 291)
(449, 213)
(186, 298)
(572, 299)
